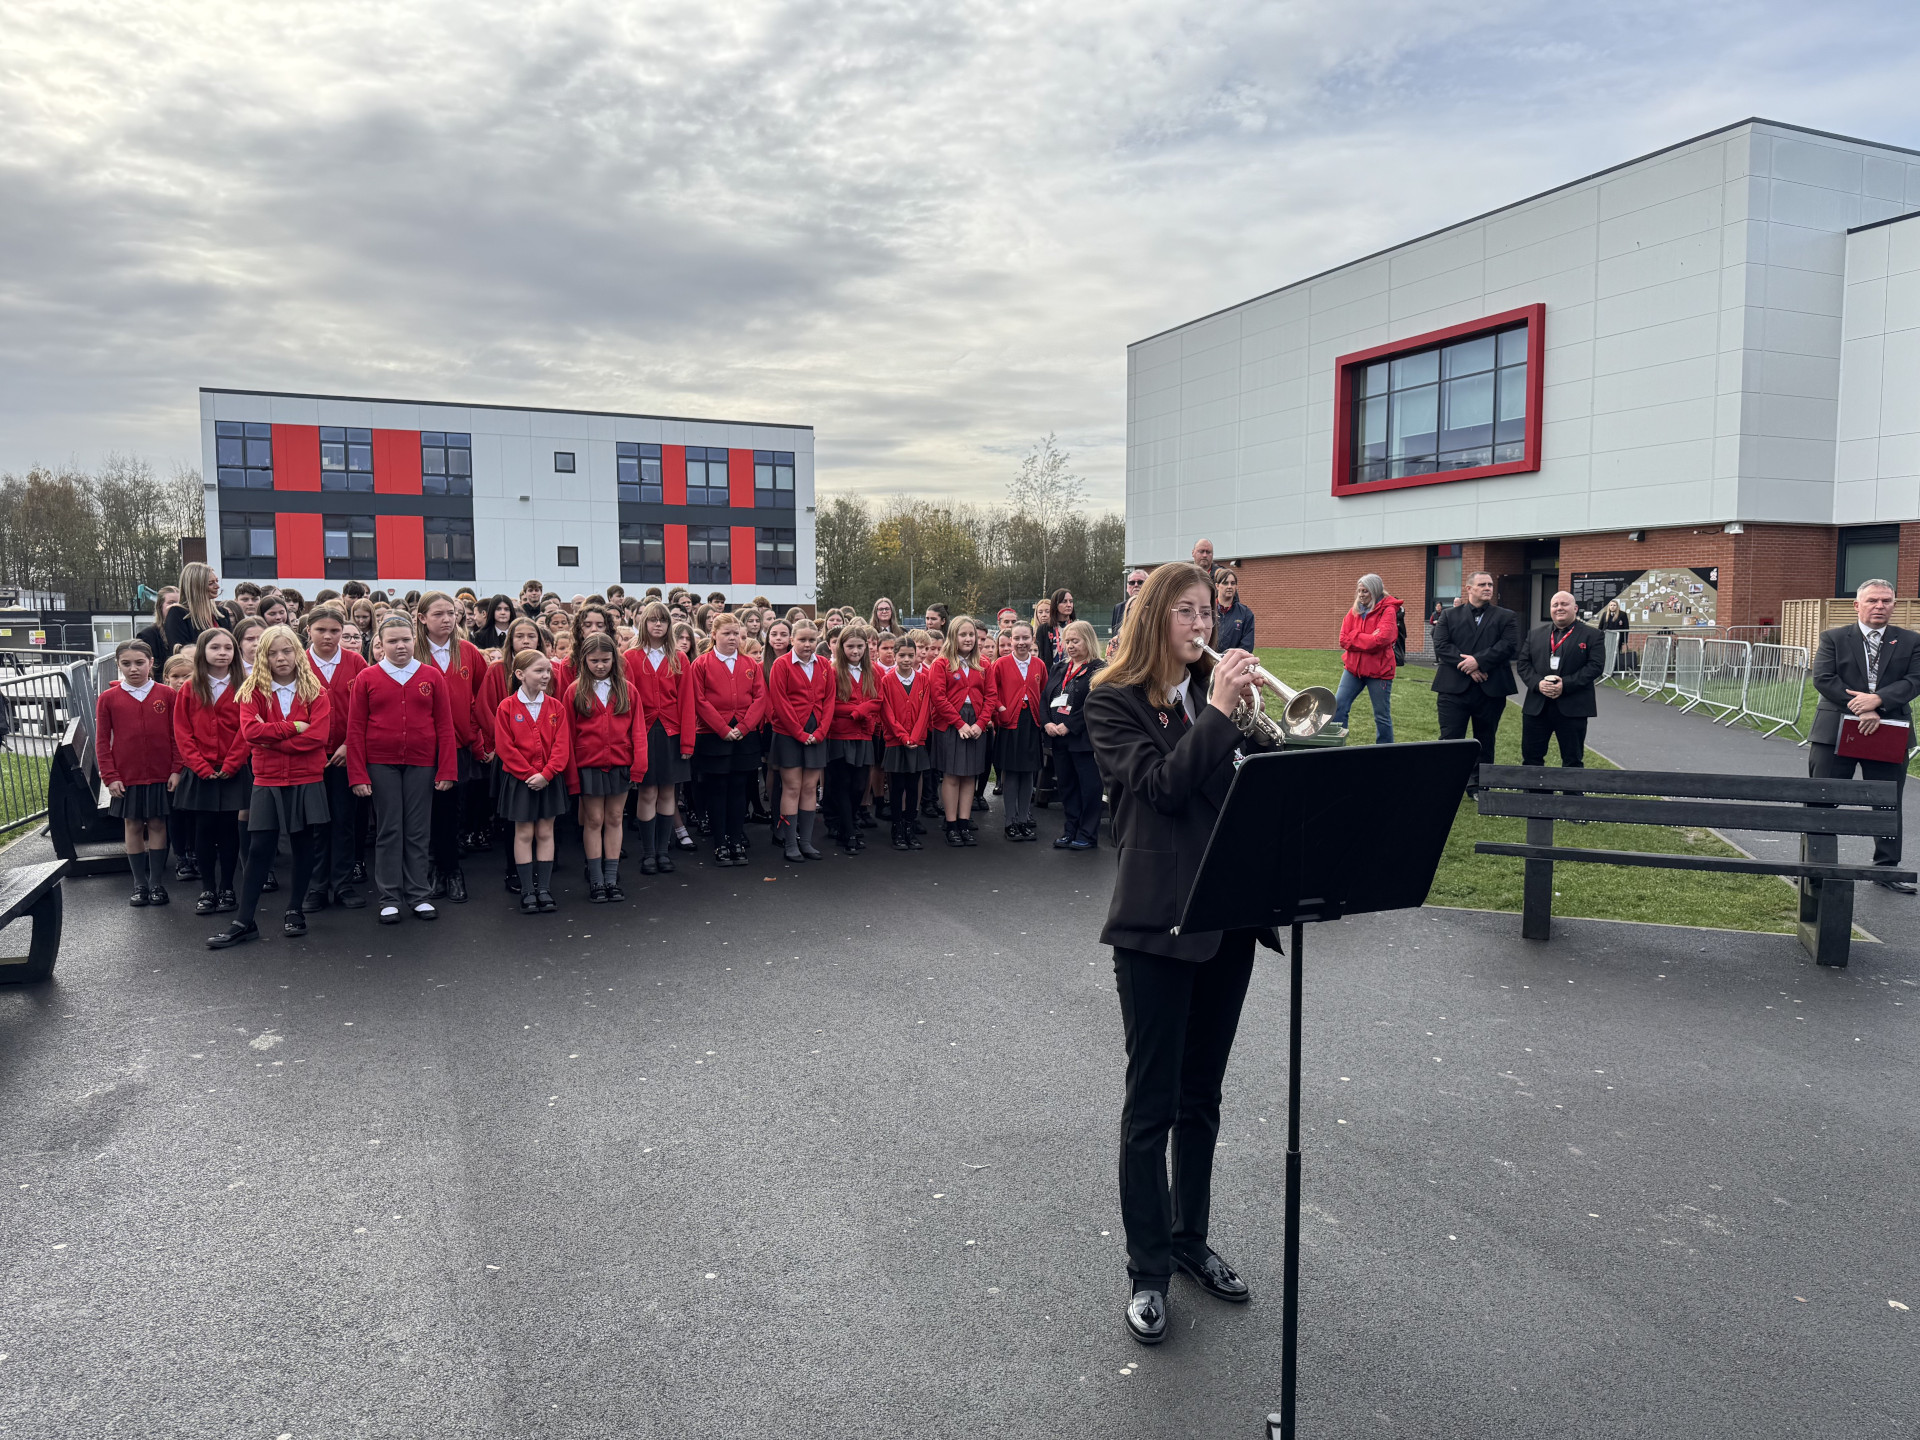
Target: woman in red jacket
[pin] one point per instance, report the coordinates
(800, 696)
(662, 679)
(215, 783)
(962, 709)
(729, 702)
(609, 737)
(133, 746)
(850, 754)
(1367, 634)
(531, 730)
(437, 641)
(400, 750)
(1018, 715)
(284, 713)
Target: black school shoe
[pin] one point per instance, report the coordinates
(234, 934)
(665, 863)
(294, 922)
(229, 902)
(187, 869)
(348, 898)
(547, 903)
(722, 856)
(530, 903)
(649, 865)
(1147, 1316)
(157, 895)
(207, 904)
(270, 885)
(1216, 1277)
(138, 900)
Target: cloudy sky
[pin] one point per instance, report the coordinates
(927, 227)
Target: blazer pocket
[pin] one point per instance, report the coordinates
(1148, 889)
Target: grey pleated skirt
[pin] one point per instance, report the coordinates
(143, 802)
(605, 779)
(851, 752)
(232, 793)
(954, 756)
(288, 808)
(519, 803)
(790, 754)
(906, 760)
(665, 764)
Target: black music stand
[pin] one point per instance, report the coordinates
(1311, 835)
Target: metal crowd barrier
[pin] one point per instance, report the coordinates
(1655, 662)
(1776, 688)
(37, 701)
(1733, 680)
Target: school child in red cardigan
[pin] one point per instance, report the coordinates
(800, 696)
(662, 677)
(873, 800)
(522, 634)
(285, 721)
(438, 643)
(850, 753)
(336, 668)
(1018, 682)
(531, 736)
(729, 702)
(133, 745)
(962, 709)
(215, 783)
(400, 750)
(609, 736)
(906, 708)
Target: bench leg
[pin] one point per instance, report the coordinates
(1826, 906)
(1536, 906)
(46, 915)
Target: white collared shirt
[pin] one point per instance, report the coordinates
(1866, 629)
(413, 668)
(907, 679)
(326, 667)
(532, 702)
(285, 695)
(853, 673)
(805, 667)
(1021, 664)
(727, 660)
(142, 692)
(602, 689)
(218, 684)
(1182, 693)
(656, 657)
(442, 654)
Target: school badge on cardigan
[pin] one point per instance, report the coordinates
(159, 706)
(426, 688)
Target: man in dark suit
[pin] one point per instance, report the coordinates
(1559, 666)
(1473, 647)
(1869, 669)
(1135, 579)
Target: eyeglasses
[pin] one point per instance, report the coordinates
(1135, 584)
(1186, 615)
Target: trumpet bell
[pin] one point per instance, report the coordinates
(1308, 712)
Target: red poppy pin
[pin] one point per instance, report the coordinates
(1163, 718)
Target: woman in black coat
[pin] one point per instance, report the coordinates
(1064, 702)
(194, 611)
(1166, 747)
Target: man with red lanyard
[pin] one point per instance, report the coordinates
(1560, 664)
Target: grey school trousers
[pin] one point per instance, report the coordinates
(403, 820)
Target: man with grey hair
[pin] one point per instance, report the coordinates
(1136, 577)
(1203, 555)
(1473, 649)
(1867, 671)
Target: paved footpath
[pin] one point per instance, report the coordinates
(829, 1152)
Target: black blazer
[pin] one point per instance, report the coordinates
(1840, 665)
(1074, 717)
(1493, 642)
(1165, 788)
(1583, 658)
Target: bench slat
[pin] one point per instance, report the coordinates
(22, 886)
(1725, 864)
(1880, 794)
(1808, 820)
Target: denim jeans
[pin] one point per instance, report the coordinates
(1379, 692)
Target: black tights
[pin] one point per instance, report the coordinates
(903, 795)
(443, 834)
(262, 845)
(739, 784)
(846, 788)
(218, 835)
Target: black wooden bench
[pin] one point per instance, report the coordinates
(33, 891)
(1793, 805)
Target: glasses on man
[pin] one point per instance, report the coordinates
(1187, 615)
(1135, 584)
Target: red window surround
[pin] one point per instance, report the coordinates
(1345, 375)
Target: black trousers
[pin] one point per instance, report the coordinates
(334, 860)
(1475, 708)
(1823, 764)
(845, 787)
(443, 835)
(1180, 1019)
(1569, 730)
(1079, 777)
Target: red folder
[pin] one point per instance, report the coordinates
(1888, 741)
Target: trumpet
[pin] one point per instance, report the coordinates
(1302, 712)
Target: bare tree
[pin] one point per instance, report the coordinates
(1046, 494)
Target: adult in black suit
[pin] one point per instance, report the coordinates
(1473, 649)
(1135, 579)
(1559, 666)
(1869, 669)
(1165, 745)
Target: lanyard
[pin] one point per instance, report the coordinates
(1553, 644)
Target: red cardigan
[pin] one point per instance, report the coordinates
(952, 687)
(529, 747)
(339, 691)
(666, 696)
(1012, 694)
(601, 738)
(724, 700)
(207, 737)
(280, 757)
(855, 717)
(394, 724)
(133, 739)
(905, 711)
(466, 672)
(791, 698)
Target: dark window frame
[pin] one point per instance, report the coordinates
(704, 571)
(572, 466)
(641, 477)
(1851, 535)
(637, 539)
(246, 565)
(561, 552)
(351, 566)
(709, 456)
(770, 539)
(454, 565)
(243, 454)
(346, 460)
(769, 491)
(442, 454)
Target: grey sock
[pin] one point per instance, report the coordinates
(543, 876)
(596, 874)
(611, 869)
(157, 863)
(137, 862)
(648, 829)
(804, 826)
(527, 886)
(663, 837)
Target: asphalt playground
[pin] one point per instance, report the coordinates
(829, 1151)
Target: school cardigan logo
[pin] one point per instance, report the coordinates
(159, 705)
(426, 688)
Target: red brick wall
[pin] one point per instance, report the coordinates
(1758, 569)
(1908, 580)
(1299, 599)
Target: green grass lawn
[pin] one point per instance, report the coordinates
(23, 788)
(1604, 892)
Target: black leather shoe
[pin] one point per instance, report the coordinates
(665, 863)
(270, 885)
(207, 904)
(228, 902)
(348, 898)
(315, 900)
(722, 856)
(139, 897)
(234, 934)
(649, 865)
(1899, 887)
(1215, 1276)
(457, 887)
(1147, 1317)
(294, 922)
(157, 895)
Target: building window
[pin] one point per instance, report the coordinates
(568, 558)
(639, 472)
(449, 548)
(1455, 404)
(773, 558)
(773, 479)
(708, 561)
(1443, 576)
(246, 545)
(446, 463)
(563, 462)
(349, 547)
(706, 476)
(243, 454)
(643, 554)
(1867, 552)
(346, 459)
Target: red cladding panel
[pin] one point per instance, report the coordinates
(396, 468)
(677, 534)
(400, 541)
(298, 539)
(673, 490)
(740, 483)
(742, 552)
(296, 464)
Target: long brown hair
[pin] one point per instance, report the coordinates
(657, 610)
(843, 682)
(1146, 656)
(194, 576)
(201, 682)
(618, 699)
(592, 607)
(541, 640)
(427, 602)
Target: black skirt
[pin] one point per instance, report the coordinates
(665, 764)
(954, 756)
(789, 754)
(1018, 750)
(288, 808)
(851, 752)
(717, 755)
(906, 760)
(605, 779)
(232, 793)
(143, 802)
(519, 802)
